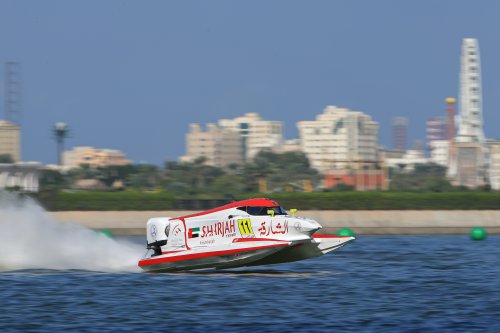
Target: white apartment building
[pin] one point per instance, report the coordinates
(257, 134)
(10, 140)
(23, 175)
(470, 168)
(407, 162)
(219, 146)
(339, 137)
(292, 145)
(439, 152)
(93, 157)
(494, 164)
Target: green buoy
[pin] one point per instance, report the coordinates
(106, 233)
(345, 232)
(478, 233)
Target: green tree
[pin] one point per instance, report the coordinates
(52, 180)
(147, 176)
(6, 158)
(108, 175)
(191, 177)
(425, 177)
(279, 170)
(228, 185)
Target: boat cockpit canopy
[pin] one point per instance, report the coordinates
(260, 210)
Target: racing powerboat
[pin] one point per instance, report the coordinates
(242, 233)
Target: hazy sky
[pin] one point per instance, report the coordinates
(131, 75)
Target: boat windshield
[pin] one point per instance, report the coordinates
(259, 210)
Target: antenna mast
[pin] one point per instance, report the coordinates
(13, 92)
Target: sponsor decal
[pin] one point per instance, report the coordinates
(245, 227)
(153, 231)
(297, 226)
(207, 242)
(177, 230)
(222, 229)
(177, 236)
(194, 232)
(273, 228)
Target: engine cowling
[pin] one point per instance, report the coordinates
(157, 229)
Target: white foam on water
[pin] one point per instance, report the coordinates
(31, 239)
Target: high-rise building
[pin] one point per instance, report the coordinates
(10, 140)
(339, 138)
(437, 129)
(257, 134)
(399, 133)
(437, 140)
(219, 146)
(470, 121)
(468, 158)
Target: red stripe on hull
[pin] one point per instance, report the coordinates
(148, 262)
(329, 236)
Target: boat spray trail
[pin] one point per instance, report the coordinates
(31, 239)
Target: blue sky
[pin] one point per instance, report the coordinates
(131, 75)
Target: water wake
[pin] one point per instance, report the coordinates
(31, 239)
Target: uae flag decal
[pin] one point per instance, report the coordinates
(194, 232)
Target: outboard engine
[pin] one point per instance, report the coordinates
(157, 230)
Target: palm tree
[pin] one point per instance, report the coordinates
(60, 132)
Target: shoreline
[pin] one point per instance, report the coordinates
(397, 222)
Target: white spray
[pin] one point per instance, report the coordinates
(31, 239)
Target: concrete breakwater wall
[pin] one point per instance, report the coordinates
(362, 222)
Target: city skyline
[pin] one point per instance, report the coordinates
(137, 76)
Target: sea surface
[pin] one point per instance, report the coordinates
(374, 284)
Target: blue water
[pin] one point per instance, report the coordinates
(375, 284)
